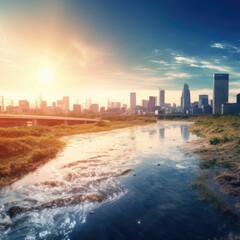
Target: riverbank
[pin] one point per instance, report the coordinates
(24, 149)
(219, 151)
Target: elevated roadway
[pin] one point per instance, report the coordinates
(8, 120)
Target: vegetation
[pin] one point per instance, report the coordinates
(219, 151)
(208, 195)
(222, 135)
(24, 149)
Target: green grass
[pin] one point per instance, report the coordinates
(208, 163)
(208, 195)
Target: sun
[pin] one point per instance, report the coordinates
(45, 75)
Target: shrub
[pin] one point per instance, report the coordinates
(214, 141)
(12, 147)
(102, 124)
(44, 154)
(208, 163)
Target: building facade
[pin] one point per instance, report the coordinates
(132, 101)
(203, 100)
(230, 108)
(162, 98)
(220, 91)
(185, 98)
(238, 98)
(77, 108)
(152, 103)
(145, 104)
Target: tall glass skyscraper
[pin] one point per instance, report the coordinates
(220, 91)
(161, 97)
(185, 99)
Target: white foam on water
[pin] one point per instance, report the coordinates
(91, 164)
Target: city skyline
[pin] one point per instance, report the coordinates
(153, 105)
(87, 49)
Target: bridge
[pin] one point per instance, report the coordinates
(11, 120)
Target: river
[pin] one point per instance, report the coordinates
(132, 183)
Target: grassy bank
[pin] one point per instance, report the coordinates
(206, 194)
(222, 141)
(219, 150)
(24, 149)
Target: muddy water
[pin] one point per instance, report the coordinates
(132, 183)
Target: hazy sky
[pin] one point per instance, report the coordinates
(101, 48)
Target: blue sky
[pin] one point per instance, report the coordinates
(121, 45)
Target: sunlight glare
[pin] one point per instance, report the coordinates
(45, 75)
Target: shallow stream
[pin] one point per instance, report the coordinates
(132, 183)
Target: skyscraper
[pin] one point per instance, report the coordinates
(220, 91)
(152, 103)
(203, 100)
(161, 97)
(185, 99)
(66, 104)
(132, 101)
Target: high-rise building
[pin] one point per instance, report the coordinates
(132, 101)
(145, 103)
(23, 105)
(63, 105)
(203, 100)
(220, 91)
(112, 105)
(152, 103)
(66, 104)
(238, 98)
(185, 98)
(43, 105)
(118, 105)
(94, 108)
(161, 98)
(77, 108)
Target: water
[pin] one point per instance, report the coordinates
(132, 183)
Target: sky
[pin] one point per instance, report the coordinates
(102, 49)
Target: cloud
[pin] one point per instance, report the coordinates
(209, 65)
(197, 63)
(178, 75)
(226, 46)
(161, 62)
(144, 69)
(156, 51)
(235, 85)
(181, 59)
(218, 45)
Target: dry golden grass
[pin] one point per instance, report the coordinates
(24, 149)
(219, 149)
(222, 135)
